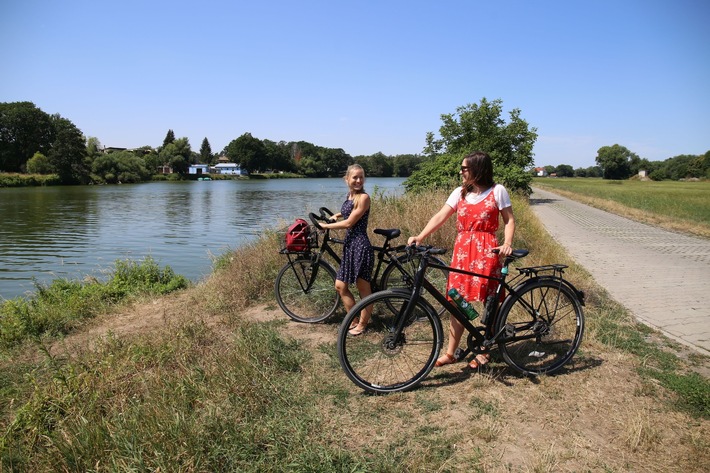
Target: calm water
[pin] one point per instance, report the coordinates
(70, 232)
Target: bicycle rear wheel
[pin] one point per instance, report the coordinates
(306, 292)
(393, 278)
(379, 361)
(543, 326)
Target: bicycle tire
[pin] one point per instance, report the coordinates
(313, 304)
(392, 277)
(545, 342)
(377, 363)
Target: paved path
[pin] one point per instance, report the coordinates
(662, 277)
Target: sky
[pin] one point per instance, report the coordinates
(366, 76)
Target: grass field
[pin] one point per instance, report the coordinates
(681, 206)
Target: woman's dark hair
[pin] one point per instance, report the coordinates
(480, 172)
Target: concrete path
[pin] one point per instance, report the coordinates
(662, 277)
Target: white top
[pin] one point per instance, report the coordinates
(500, 194)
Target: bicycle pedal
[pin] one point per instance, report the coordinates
(459, 354)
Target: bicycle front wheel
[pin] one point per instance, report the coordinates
(542, 327)
(382, 361)
(306, 291)
(393, 277)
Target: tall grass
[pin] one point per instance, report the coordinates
(236, 395)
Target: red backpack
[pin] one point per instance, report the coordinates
(297, 236)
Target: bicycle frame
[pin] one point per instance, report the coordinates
(483, 335)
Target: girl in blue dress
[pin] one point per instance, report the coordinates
(358, 256)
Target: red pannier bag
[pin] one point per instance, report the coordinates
(297, 236)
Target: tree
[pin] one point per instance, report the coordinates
(123, 166)
(68, 152)
(39, 164)
(616, 161)
(177, 154)
(564, 170)
(278, 154)
(335, 161)
(249, 152)
(403, 165)
(206, 155)
(378, 165)
(169, 138)
(478, 127)
(24, 131)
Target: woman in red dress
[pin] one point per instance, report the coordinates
(478, 204)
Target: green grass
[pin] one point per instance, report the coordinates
(689, 201)
(61, 306)
(28, 180)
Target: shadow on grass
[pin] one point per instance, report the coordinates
(500, 372)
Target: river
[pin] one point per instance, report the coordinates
(77, 231)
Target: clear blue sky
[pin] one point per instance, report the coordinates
(366, 76)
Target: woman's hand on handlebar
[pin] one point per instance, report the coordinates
(315, 219)
(414, 241)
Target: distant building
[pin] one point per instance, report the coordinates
(199, 169)
(540, 172)
(228, 168)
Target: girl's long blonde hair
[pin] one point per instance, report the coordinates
(350, 170)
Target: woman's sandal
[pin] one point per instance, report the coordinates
(480, 360)
(445, 359)
(354, 323)
(357, 331)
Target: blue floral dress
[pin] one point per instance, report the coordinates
(358, 255)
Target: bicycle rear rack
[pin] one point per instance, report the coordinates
(535, 270)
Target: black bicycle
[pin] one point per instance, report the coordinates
(305, 285)
(537, 327)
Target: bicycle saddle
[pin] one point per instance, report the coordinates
(389, 233)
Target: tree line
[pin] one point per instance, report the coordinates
(35, 142)
(618, 162)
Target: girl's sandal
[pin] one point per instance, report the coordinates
(446, 359)
(357, 331)
(480, 360)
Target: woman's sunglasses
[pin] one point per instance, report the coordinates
(465, 168)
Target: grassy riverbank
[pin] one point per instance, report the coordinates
(215, 378)
(675, 205)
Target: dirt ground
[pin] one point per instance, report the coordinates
(597, 415)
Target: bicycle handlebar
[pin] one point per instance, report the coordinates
(325, 212)
(314, 218)
(426, 249)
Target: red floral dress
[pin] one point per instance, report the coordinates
(476, 225)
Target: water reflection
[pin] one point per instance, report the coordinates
(75, 231)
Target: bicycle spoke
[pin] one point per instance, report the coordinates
(381, 361)
(305, 296)
(547, 322)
